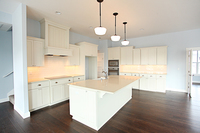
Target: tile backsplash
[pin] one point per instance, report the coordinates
(53, 66)
(143, 68)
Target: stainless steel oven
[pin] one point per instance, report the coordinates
(113, 63)
(113, 71)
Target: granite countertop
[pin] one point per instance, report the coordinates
(110, 85)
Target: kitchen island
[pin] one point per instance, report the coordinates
(94, 102)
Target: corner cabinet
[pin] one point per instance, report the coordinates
(74, 60)
(126, 55)
(35, 52)
(56, 37)
(114, 53)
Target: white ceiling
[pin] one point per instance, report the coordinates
(154, 16)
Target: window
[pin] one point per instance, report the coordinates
(196, 62)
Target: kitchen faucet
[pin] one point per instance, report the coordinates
(105, 74)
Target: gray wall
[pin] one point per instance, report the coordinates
(6, 59)
(177, 43)
(33, 28)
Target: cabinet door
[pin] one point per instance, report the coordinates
(136, 84)
(35, 98)
(57, 93)
(144, 83)
(38, 53)
(136, 57)
(126, 56)
(161, 55)
(144, 56)
(161, 83)
(74, 59)
(66, 91)
(152, 84)
(45, 96)
(116, 53)
(29, 52)
(152, 56)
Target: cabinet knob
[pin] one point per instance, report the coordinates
(56, 82)
(161, 76)
(39, 84)
(78, 78)
(150, 76)
(69, 80)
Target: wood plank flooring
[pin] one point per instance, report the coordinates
(146, 112)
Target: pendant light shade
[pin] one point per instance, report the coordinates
(125, 42)
(100, 30)
(115, 37)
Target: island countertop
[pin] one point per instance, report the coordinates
(110, 85)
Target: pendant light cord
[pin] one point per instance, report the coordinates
(100, 12)
(124, 32)
(115, 24)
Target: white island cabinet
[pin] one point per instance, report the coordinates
(94, 102)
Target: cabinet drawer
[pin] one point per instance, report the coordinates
(80, 78)
(144, 75)
(38, 85)
(151, 76)
(125, 74)
(135, 74)
(161, 76)
(61, 81)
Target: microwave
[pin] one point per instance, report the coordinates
(113, 63)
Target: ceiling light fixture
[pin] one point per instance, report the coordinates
(100, 30)
(125, 42)
(115, 37)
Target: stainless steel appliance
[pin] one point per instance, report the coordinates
(113, 71)
(113, 63)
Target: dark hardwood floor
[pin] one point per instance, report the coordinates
(147, 112)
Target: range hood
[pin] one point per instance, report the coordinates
(54, 51)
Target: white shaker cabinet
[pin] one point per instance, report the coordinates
(126, 55)
(144, 82)
(161, 83)
(74, 60)
(88, 49)
(35, 52)
(161, 55)
(144, 56)
(152, 82)
(39, 95)
(152, 56)
(136, 57)
(114, 53)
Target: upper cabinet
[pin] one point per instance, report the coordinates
(74, 60)
(114, 53)
(56, 38)
(35, 52)
(161, 53)
(126, 55)
(88, 49)
(136, 57)
(148, 56)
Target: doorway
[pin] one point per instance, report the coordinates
(90, 67)
(193, 71)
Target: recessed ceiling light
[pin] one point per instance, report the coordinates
(57, 12)
(141, 29)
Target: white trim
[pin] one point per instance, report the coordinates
(10, 93)
(195, 81)
(4, 100)
(23, 115)
(176, 90)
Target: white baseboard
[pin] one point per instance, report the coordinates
(23, 115)
(10, 93)
(196, 82)
(4, 100)
(176, 90)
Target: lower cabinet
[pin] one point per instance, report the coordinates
(39, 95)
(149, 82)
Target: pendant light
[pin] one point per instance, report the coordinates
(125, 42)
(115, 37)
(100, 30)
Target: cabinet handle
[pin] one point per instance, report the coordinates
(150, 76)
(161, 76)
(56, 82)
(124, 74)
(78, 78)
(142, 75)
(39, 84)
(69, 80)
